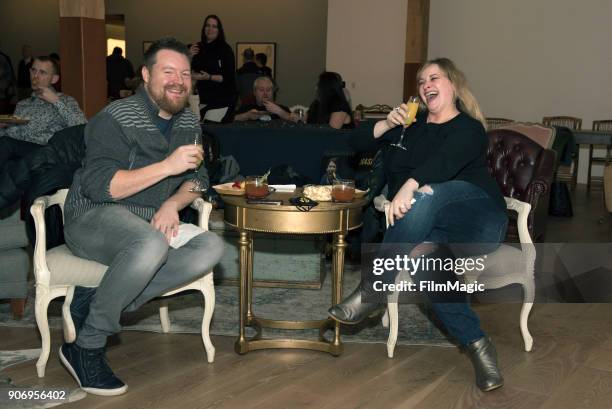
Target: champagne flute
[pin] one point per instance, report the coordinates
(198, 186)
(413, 107)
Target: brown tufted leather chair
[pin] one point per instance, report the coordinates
(524, 170)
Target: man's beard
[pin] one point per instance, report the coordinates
(167, 104)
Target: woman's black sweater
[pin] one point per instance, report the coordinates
(435, 153)
(216, 58)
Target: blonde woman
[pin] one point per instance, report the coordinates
(441, 193)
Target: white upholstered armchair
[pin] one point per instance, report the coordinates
(506, 265)
(58, 271)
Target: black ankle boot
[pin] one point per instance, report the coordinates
(484, 358)
(352, 310)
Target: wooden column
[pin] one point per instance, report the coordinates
(417, 28)
(83, 53)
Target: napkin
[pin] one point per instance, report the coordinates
(186, 232)
(284, 188)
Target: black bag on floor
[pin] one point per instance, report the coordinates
(560, 201)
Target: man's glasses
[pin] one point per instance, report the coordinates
(302, 203)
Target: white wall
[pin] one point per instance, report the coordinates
(33, 22)
(526, 59)
(366, 42)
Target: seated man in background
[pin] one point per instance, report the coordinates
(47, 111)
(263, 89)
(122, 209)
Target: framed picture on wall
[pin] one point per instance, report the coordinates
(267, 49)
(145, 46)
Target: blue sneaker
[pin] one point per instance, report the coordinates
(90, 369)
(79, 307)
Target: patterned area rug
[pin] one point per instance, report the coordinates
(186, 310)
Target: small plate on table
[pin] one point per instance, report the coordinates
(228, 189)
(13, 120)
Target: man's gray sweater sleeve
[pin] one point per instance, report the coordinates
(107, 152)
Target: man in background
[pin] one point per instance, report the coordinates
(263, 91)
(118, 70)
(46, 110)
(261, 60)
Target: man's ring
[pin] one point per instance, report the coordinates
(396, 109)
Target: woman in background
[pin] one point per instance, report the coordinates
(330, 106)
(213, 67)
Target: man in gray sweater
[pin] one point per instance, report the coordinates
(122, 209)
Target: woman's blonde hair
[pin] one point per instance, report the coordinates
(466, 102)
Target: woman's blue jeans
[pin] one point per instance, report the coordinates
(456, 212)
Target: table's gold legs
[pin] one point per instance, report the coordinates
(241, 345)
(338, 271)
(250, 278)
(247, 318)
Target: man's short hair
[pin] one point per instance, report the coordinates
(166, 43)
(248, 54)
(262, 58)
(53, 61)
(261, 79)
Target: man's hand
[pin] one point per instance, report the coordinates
(47, 94)
(273, 108)
(254, 114)
(166, 220)
(184, 158)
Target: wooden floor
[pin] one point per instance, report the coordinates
(569, 367)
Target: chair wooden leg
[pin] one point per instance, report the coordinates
(208, 291)
(68, 323)
(18, 308)
(385, 319)
(42, 302)
(589, 169)
(164, 318)
(528, 298)
(392, 310)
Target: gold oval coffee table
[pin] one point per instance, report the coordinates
(327, 217)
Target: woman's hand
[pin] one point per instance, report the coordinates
(402, 202)
(397, 116)
(194, 49)
(200, 76)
